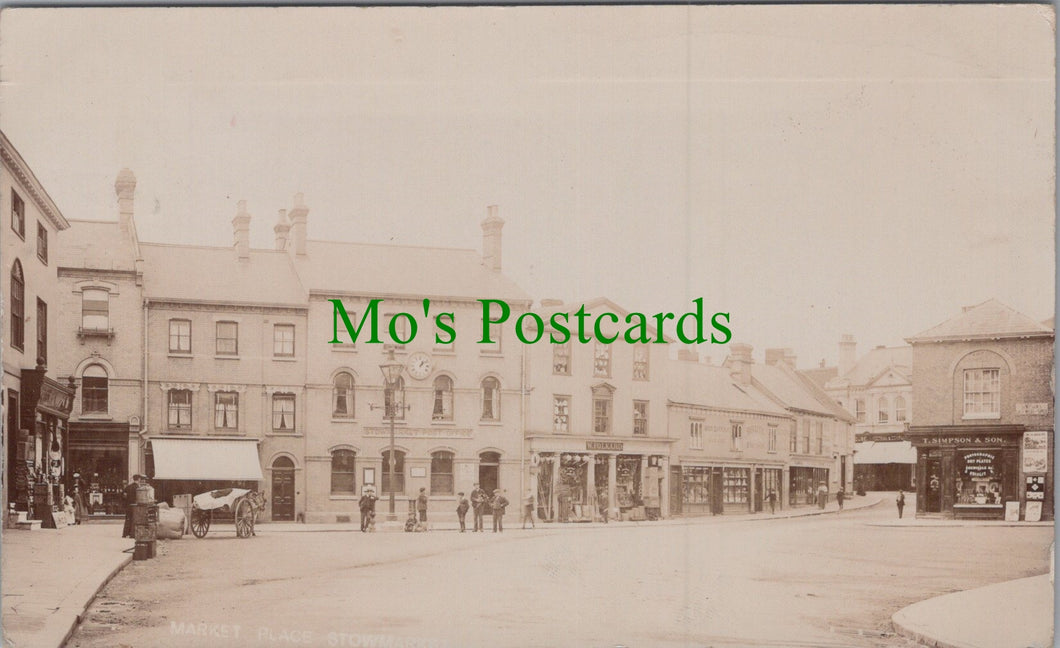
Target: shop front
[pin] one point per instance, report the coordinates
(967, 471)
(706, 489)
(37, 451)
(98, 454)
(582, 480)
(804, 483)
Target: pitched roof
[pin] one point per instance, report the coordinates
(214, 274)
(790, 391)
(371, 269)
(695, 383)
(875, 362)
(821, 375)
(595, 304)
(990, 319)
(97, 245)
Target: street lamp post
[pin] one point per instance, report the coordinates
(391, 373)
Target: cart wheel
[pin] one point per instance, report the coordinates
(244, 519)
(200, 522)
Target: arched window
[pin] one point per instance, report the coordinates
(443, 399)
(343, 472)
(399, 472)
(899, 409)
(394, 400)
(342, 396)
(883, 414)
(442, 473)
(94, 389)
(18, 307)
(491, 399)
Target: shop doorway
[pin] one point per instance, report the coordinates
(489, 468)
(676, 477)
(282, 490)
(933, 487)
(717, 491)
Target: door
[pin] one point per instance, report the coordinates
(675, 490)
(489, 472)
(282, 490)
(717, 493)
(933, 486)
(758, 490)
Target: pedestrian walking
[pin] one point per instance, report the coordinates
(79, 498)
(839, 497)
(528, 510)
(771, 497)
(479, 502)
(421, 506)
(498, 504)
(603, 504)
(900, 501)
(367, 506)
(461, 511)
(130, 502)
(822, 495)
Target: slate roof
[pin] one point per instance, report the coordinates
(695, 383)
(214, 274)
(97, 245)
(796, 391)
(821, 375)
(372, 269)
(990, 319)
(594, 306)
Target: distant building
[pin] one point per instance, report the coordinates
(983, 393)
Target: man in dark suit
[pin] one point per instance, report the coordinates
(367, 506)
(130, 501)
(479, 502)
(498, 504)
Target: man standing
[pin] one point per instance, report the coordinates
(839, 497)
(367, 506)
(478, 505)
(421, 507)
(528, 510)
(498, 504)
(130, 502)
(772, 499)
(900, 502)
(461, 511)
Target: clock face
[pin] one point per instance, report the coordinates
(419, 365)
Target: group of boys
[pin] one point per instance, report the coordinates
(480, 502)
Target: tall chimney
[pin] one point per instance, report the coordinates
(847, 353)
(241, 230)
(491, 239)
(298, 217)
(688, 354)
(790, 358)
(740, 362)
(282, 229)
(774, 355)
(125, 187)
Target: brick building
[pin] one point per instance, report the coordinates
(983, 389)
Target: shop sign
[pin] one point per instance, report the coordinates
(1032, 409)
(966, 440)
(1035, 451)
(1036, 488)
(979, 465)
(55, 398)
(420, 433)
(1034, 512)
(1012, 511)
(613, 446)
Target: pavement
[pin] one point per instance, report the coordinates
(1013, 614)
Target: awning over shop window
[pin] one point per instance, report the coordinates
(213, 459)
(884, 452)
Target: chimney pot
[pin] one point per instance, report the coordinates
(125, 188)
(491, 239)
(241, 231)
(298, 224)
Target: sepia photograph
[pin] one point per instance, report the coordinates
(690, 326)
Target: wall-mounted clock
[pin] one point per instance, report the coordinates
(419, 365)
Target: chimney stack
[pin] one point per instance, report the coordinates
(551, 303)
(282, 229)
(740, 362)
(491, 239)
(790, 357)
(847, 354)
(688, 354)
(774, 355)
(125, 187)
(241, 230)
(298, 228)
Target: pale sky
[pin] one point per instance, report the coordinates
(813, 170)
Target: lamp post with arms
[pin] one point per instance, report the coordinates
(391, 374)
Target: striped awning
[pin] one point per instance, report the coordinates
(207, 459)
(884, 452)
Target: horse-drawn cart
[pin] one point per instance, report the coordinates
(244, 505)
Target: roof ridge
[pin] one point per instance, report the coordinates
(394, 245)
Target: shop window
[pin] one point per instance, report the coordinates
(882, 410)
(396, 484)
(561, 414)
(736, 443)
(979, 479)
(94, 390)
(640, 418)
(42, 242)
(179, 336)
(42, 332)
(95, 309)
(443, 399)
(982, 393)
(602, 406)
(18, 306)
(602, 360)
(772, 442)
(859, 410)
(283, 412)
(342, 396)
(695, 435)
(18, 215)
(561, 359)
(491, 399)
(226, 410)
(343, 472)
(695, 487)
(179, 406)
(899, 409)
(736, 485)
(283, 340)
(394, 400)
(442, 473)
(227, 338)
(640, 362)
